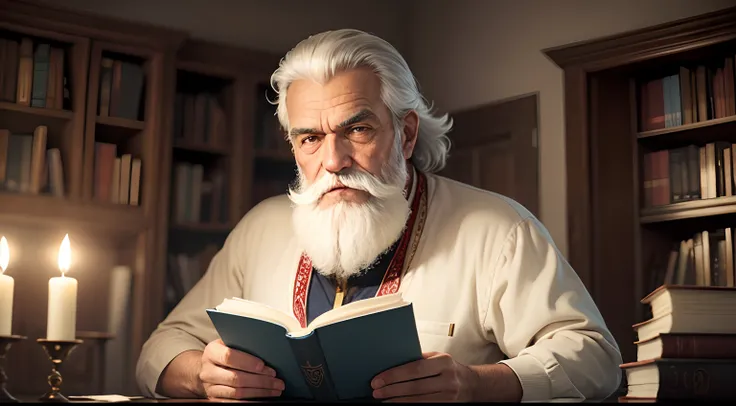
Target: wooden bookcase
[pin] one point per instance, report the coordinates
(628, 209)
(53, 188)
(207, 158)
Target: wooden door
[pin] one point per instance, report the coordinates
(494, 147)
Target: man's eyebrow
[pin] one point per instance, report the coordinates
(358, 117)
(295, 132)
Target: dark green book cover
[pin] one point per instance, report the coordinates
(332, 362)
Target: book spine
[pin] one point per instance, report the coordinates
(697, 379)
(311, 360)
(699, 346)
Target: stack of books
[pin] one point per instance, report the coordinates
(687, 349)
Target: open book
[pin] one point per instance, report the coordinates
(336, 356)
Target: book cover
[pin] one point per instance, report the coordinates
(336, 356)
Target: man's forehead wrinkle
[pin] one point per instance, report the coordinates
(330, 113)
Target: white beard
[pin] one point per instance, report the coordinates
(346, 238)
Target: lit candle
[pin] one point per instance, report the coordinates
(6, 290)
(62, 315)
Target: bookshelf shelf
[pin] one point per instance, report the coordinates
(120, 122)
(36, 111)
(692, 209)
(46, 210)
(687, 127)
(200, 147)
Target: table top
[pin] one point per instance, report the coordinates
(27, 399)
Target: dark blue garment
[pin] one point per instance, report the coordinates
(321, 295)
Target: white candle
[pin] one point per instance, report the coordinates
(7, 285)
(62, 314)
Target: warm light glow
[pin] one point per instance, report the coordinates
(4, 255)
(65, 255)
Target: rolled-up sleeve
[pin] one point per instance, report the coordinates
(546, 322)
(188, 327)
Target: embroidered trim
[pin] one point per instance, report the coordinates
(392, 278)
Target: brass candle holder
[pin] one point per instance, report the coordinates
(57, 351)
(5, 343)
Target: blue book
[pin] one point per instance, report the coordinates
(336, 356)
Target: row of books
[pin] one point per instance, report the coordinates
(690, 96)
(200, 119)
(121, 89)
(199, 197)
(706, 259)
(688, 173)
(28, 166)
(117, 179)
(32, 74)
(687, 349)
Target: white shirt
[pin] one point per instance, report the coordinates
(484, 263)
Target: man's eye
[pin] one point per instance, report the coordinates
(309, 139)
(358, 129)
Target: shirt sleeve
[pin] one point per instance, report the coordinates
(545, 321)
(188, 327)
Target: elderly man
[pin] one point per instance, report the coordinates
(368, 217)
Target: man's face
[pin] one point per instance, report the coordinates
(350, 202)
(341, 125)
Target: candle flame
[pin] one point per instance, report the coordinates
(4, 255)
(65, 255)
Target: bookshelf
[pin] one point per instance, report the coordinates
(69, 83)
(209, 178)
(648, 116)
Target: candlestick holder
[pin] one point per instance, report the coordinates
(5, 343)
(57, 351)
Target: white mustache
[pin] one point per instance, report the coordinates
(353, 179)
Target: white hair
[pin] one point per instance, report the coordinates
(321, 56)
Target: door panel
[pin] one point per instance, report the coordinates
(494, 147)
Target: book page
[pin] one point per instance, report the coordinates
(259, 311)
(355, 309)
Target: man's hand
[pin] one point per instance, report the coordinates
(232, 374)
(437, 377)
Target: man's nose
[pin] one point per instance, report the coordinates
(335, 153)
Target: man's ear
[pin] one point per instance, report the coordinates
(410, 133)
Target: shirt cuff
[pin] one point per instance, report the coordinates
(158, 356)
(535, 382)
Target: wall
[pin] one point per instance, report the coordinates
(469, 52)
(268, 25)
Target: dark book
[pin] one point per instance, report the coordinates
(336, 356)
(131, 91)
(40, 75)
(677, 193)
(681, 379)
(106, 73)
(10, 68)
(694, 345)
